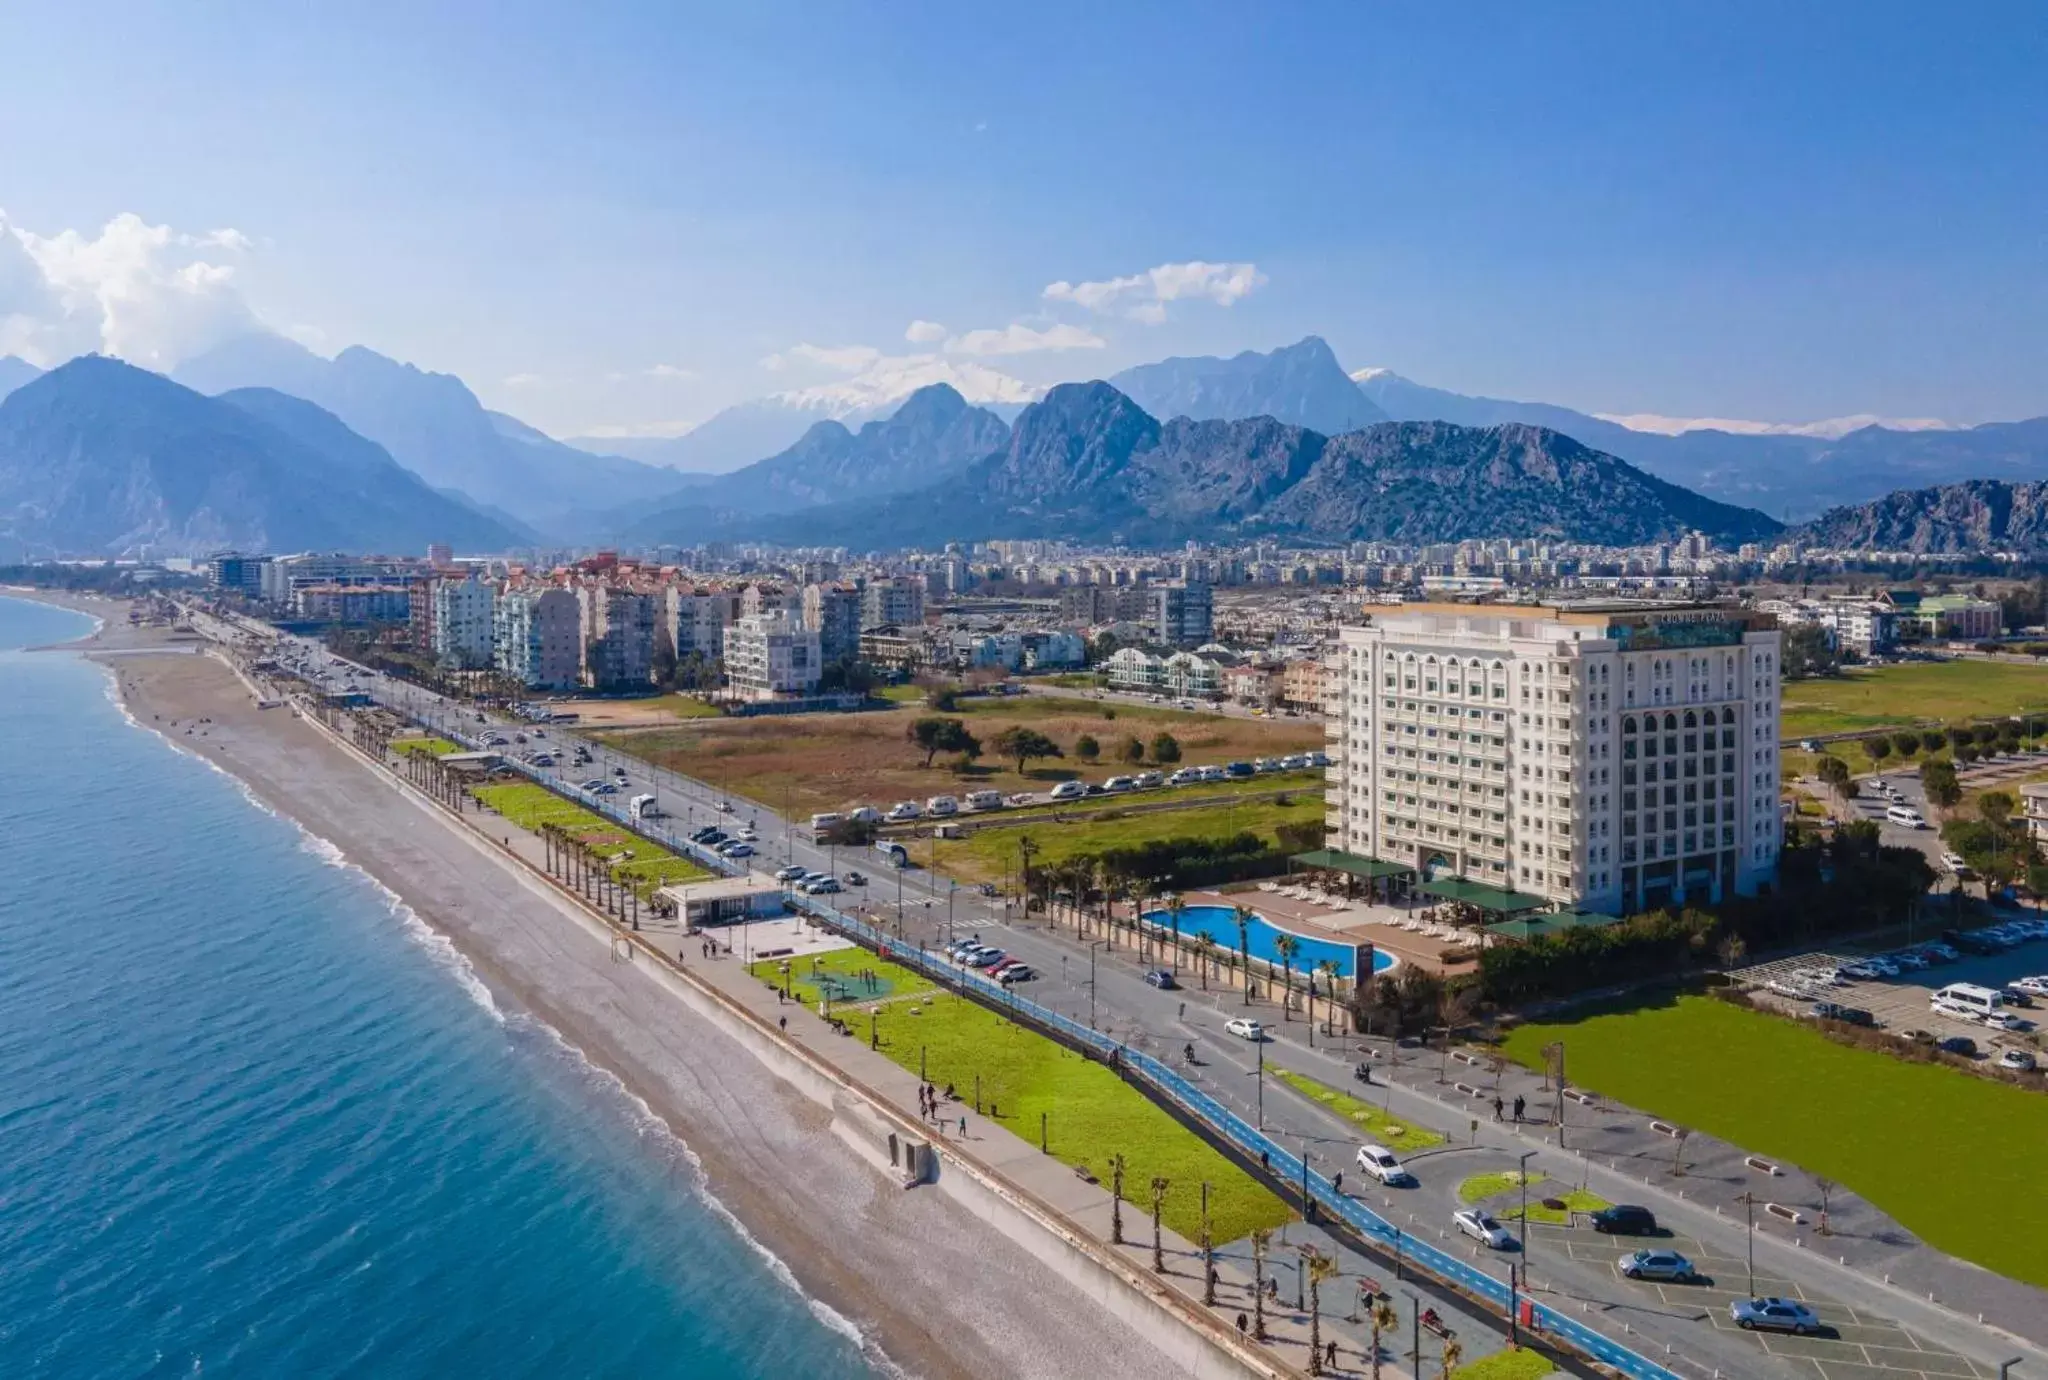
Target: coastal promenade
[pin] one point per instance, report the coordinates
(920, 1273)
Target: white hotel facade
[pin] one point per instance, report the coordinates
(1609, 757)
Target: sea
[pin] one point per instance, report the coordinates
(256, 1119)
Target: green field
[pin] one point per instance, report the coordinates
(1508, 1365)
(1955, 1159)
(530, 807)
(689, 707)
(986, 854)
(1915, 693)
(1091, 1113)
(432, 747)
(1378, 1123)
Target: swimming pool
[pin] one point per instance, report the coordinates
(1220, 924)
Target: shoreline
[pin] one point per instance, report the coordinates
(911, 1274)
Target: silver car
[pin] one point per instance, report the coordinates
(1657, 1265)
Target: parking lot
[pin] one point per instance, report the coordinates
(1903, 1003)
(1850, 1346)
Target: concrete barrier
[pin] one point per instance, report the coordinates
(1789, 1214)
(1762, 1165)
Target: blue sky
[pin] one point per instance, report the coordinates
(609, 216)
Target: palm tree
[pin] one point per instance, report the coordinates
(1175, 905)
(1208, 1254)
(1384, 1319)
(1260, 1240)
(1287, 946)
(1453, 1353)
(1116, 1200)
(1243, 916)
(1205, 956)
(1159, 1186)
(1320, 1268)
(1328, 968)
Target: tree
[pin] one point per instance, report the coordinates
(1995, 808)
(935, 735)
(1959, 736)
(1243, 915)
(1804, 651)
(1987, 734)
(1159, 1186)
(1453, 1353)
(1287, 946)
(1938, 782)
(1835, 772)
(1261, 1238)
(1932, 740)
(1165, 748)
(1133, 749)
(1384, 1319)
(1320, 1268)
(1968, 753)
(1205, 957)
(1116, 1199)
(1020, 745)
(1085, 748)
(1877, 749)
(1906, 744)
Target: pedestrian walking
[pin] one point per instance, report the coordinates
(1520, 1103)
(1499, 1107)
(963, 1128)
(1330, 1355)
(1243, 1324)
(783, 1021)
(1338, 1182)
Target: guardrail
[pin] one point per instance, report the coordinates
(1170, 1087)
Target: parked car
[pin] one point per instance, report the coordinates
(1019, 972)
(2016, 1061)
(1245, 1028)
(1382, 1164)
(1849, 1015)
(1959, 1044)
(1625, 1219)
(792, 873)
(738, 848)
(987, 958)
(856, 879)
(2005, 1020)
(1067, 790)
(1482, 1227)
(1774, 1315)
(1917, 1036)
(904, 810)
(2033, 986)
(1657, 1265)
(820, 886)
(1116, 785)
(1161, 979)
(1150, 780)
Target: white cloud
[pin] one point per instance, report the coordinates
(1019, 339)
(774, 364)
(846, 359)
(1143, 296)
(524, 380)
(147, 293)
(891, 378)
(669, 371)
(924, 333)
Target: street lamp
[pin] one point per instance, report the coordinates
(1524, 1159)
(1093, 945)
(1748, 1201)
(1415, 1333)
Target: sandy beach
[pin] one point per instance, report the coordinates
(933, 1288)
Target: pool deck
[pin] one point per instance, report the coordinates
(1357, 922)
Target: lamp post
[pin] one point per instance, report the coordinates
(1524, 1159)
(1748, 1201)
(1262, 1082)
(2005, 1367)
(1093, 945)
(1415, 1333)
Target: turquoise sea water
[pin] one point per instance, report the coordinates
(256, 1121)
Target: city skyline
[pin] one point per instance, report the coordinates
(621, 222)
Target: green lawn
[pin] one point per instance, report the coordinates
(432, 747)
(901, 694)
(530, 807)
(1955, 1159)
(689, 707)
(986, 853)
(1508, 1365)
(1092, 1114)
(1574, 1200)
(1479, 1187)
(1378, 1123)
(1915, 693)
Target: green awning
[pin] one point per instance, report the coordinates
(1533, 927)
(1484, 897)
(1335, 860)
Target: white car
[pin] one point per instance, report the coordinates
(904, 809)
(1482, 1227)
(2017, 1060)
(942, 805)
(1382, 1164)
(2033, 986)
(2005, 1020)
(1952, 861)
(1067, 790)
(1245, 1028)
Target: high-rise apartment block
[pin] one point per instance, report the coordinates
(771, 656)
(1183, 613)
(538, 637)
(833, 611)
(1614, 757)
(618, 628)
(461, 631)
(892, 603)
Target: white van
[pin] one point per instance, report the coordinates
(827, 822)
(1967, 1000)
(942, 805)
(646, 807)
(1905, 816)
(985, 800)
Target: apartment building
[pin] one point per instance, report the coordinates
(1610, 756)
(461, 632)
(537, 637)
(337, 603)
(770, 656)
(618, 636)
(891, 603)
(698, 618)
(1183, 613)
(833, 611)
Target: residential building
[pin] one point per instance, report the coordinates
(1087, 605)
(833, 611)
(1306, 683)
(698, 618)
(538, 637)
(462, 634)
(329, 603)
(2034, 808)
(771, 656)
(1955, 618)
(618, 636)
(1612, 756)
(891, 602)
(233, 573)
(1251, 684)
(897, 649)
(1183, 613)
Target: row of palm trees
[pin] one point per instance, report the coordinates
(591, 873)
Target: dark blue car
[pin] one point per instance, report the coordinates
(1161, 979)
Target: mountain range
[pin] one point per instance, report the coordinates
(14, 372)
(432, 424)
(1978, 516)
(1088, 464)
(99, 457)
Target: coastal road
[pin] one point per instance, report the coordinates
(1162, 1022)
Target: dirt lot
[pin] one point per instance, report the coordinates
(804, 763)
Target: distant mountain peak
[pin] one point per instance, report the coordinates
(1301, 384)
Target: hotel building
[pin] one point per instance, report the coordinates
(1609, 757)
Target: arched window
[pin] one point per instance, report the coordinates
(1692, 720)
(1728, 715)
(1670, 723)
(1628, 723)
